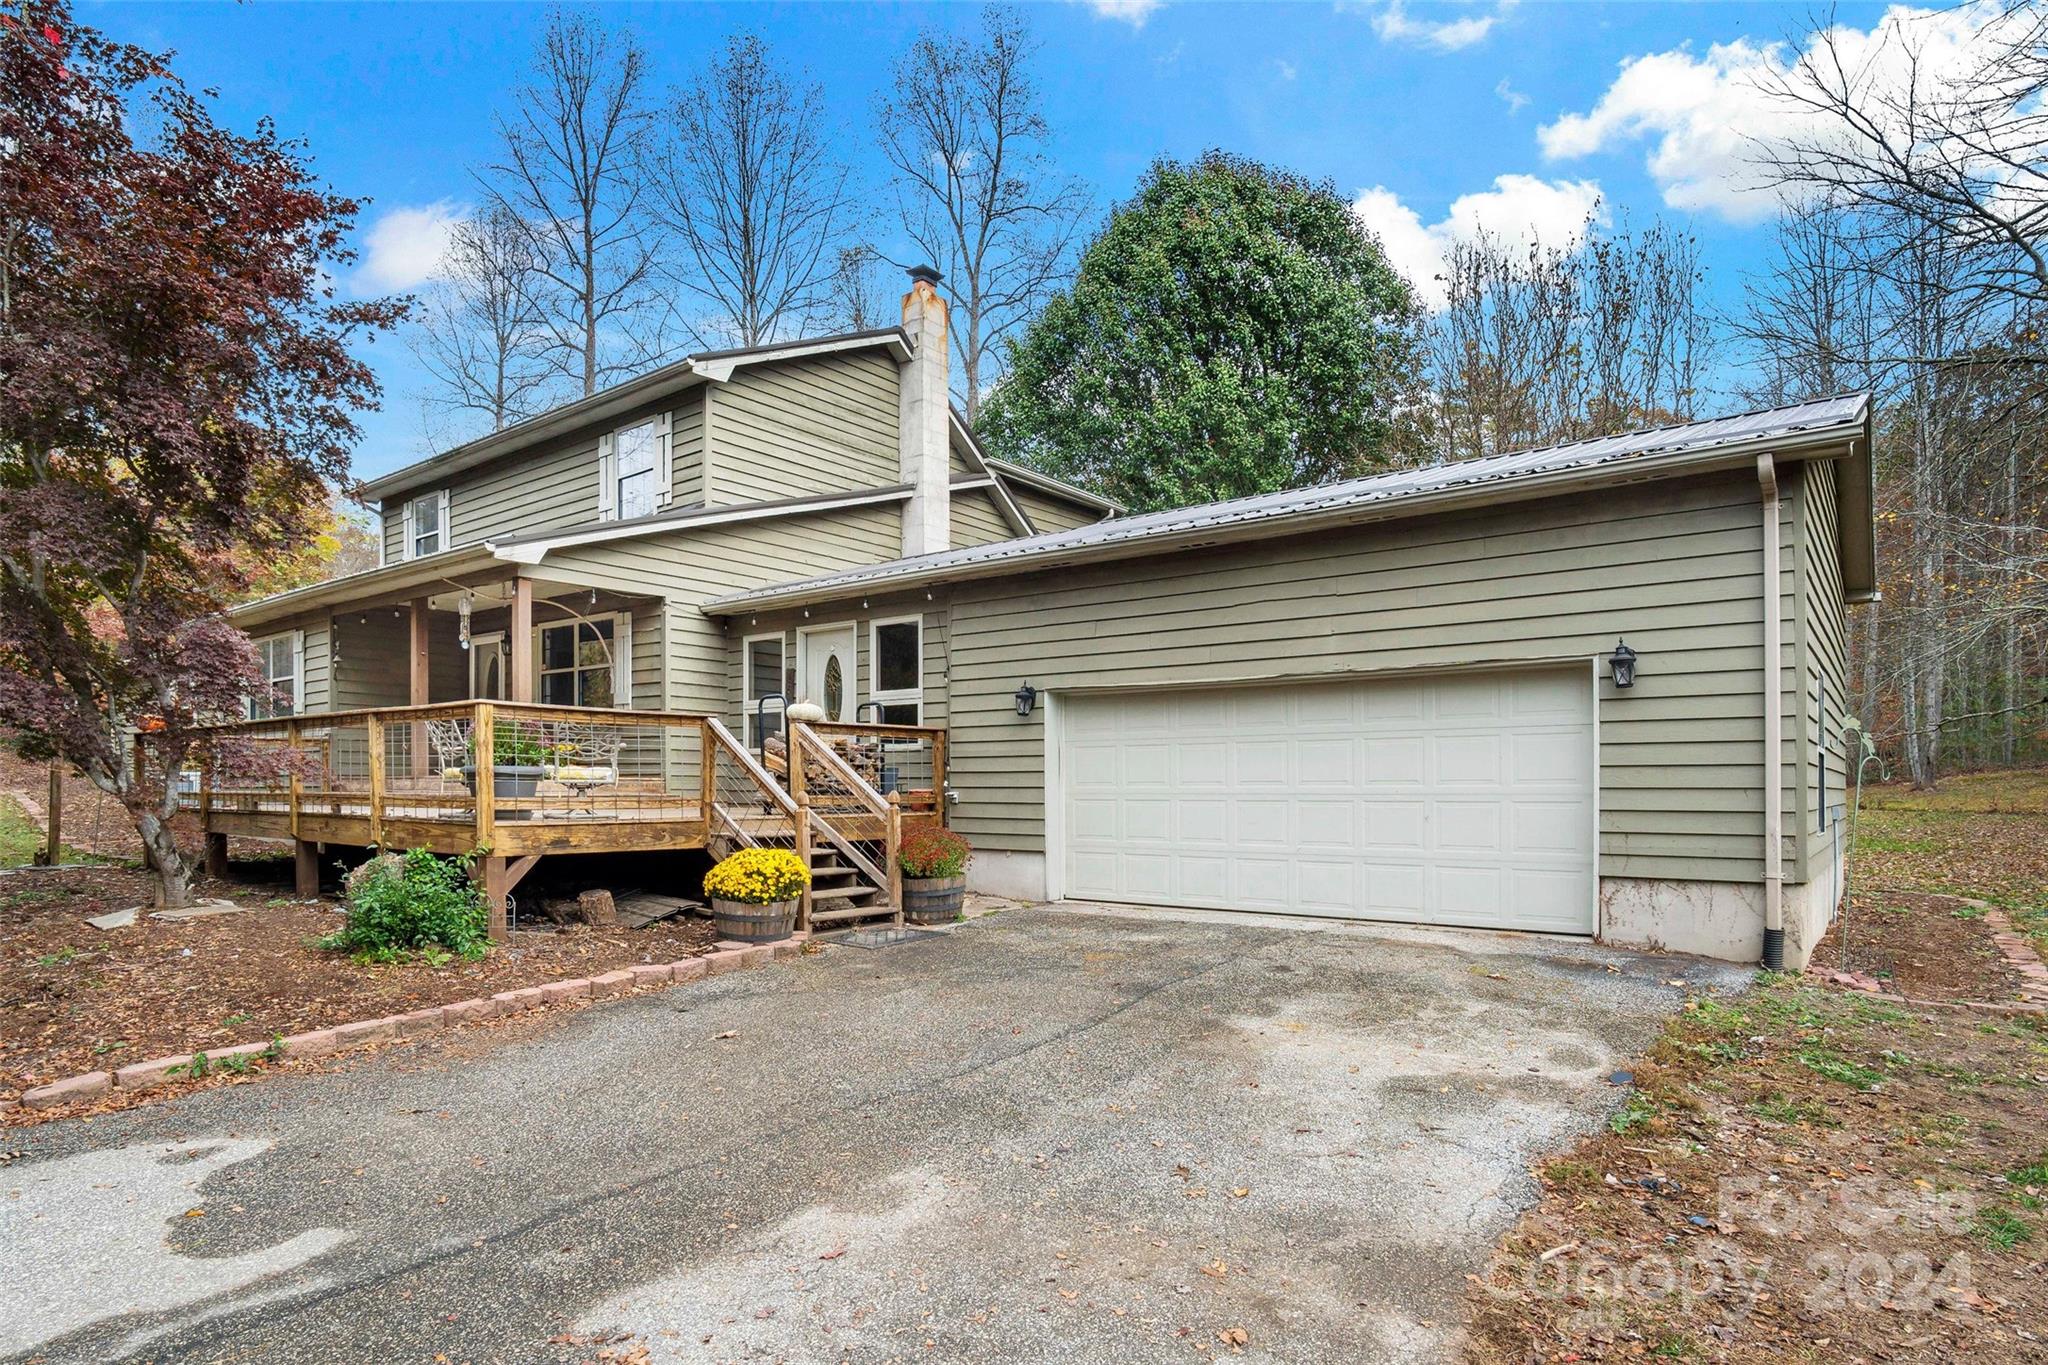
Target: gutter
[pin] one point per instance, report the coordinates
(1499, 490)
(1774, 720)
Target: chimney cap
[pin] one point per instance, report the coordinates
(927, 274)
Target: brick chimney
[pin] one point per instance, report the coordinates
(922, 426)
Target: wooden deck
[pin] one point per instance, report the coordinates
(568, 780)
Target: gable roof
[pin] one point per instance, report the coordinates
(704, 367)
(1827, 428)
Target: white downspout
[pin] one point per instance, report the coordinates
(1774, 725)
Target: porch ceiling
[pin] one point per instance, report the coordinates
(442, 579)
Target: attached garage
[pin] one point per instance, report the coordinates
(1459, 799)
(1405, 697)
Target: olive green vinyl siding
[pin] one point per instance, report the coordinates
(1675, 568)
(976, 519)
(689, 568)
(786, 624)
(1823, 673)
(822, 425)
(1048, 513)
(316, 659)
(686, 455)
(372, 670)
(552, 486)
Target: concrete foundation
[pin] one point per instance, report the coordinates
(1019, 876)
(1713, 919)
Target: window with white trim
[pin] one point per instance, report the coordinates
(765, 674)
(633, 470)
(278, 660)
(584, 663)
(896, 669)
(426, 525)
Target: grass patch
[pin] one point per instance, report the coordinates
(1639, 1110)
(2003, 1229)
(1780, 1108)
(1830, 1065)
(20, 837)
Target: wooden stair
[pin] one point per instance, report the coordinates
(841, 893)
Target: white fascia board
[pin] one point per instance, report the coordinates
(535, 550)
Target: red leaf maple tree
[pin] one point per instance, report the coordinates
(177, 395)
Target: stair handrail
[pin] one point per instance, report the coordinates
(878, 805)
(763, 779)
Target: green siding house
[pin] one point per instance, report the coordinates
(1395, 698)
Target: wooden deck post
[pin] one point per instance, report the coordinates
(707, 763)
(53, 841)
(421, 686)
(895, 869)
(939, 773)
(483, 748)
(373, 726)
(803, 852)
(497, 891)
(305, 868)
(291, 741)
(216, 854)
(521, 631)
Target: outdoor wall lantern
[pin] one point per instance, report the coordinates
(1027, 697)
(1622, 663)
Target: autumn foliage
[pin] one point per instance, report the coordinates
(176, 397)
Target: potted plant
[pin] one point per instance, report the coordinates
(934, 862)
(754, 894)
(517, 765)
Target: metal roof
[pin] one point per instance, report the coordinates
(1844, 418)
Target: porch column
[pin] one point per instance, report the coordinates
(521, 631)
(420, 653)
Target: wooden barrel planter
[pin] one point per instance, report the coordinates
(754, 923)
(933, 900)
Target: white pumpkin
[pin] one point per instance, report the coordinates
(806, 711)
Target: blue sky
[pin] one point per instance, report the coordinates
(1414, 110)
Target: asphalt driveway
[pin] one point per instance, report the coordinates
(1050, 1135)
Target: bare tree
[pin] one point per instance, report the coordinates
(1540, 344)
(747, 181)
(966, 137)
(1961, 151)
(480, 330)
(856, 298)
(568, 175)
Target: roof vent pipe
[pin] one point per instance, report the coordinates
(923, 441)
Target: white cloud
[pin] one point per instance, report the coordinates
(405, 246)
(1708, 117)
(1285, 70)
(1513, 98)
(1518, 210)
(1395, 24)
(1132, 12)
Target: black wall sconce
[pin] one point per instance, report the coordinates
(1027, 697)
(1622, 664)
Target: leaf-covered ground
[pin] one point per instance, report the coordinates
(1804, 1174)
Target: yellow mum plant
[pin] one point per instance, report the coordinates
(758, 876)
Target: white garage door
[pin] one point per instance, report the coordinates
(1456, 799)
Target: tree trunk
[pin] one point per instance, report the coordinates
(160, 847)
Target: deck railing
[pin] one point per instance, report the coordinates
(908, 761)
(513, 777)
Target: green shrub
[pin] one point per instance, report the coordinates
(397, 906)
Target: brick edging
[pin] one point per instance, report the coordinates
(2012, 945)
(139, 1076)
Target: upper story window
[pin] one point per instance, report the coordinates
(896, 653)
(278, 660)
(426, 525)
(633, 465)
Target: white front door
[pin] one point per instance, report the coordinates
(826, 660)
(1455, 799)
(487, 667)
